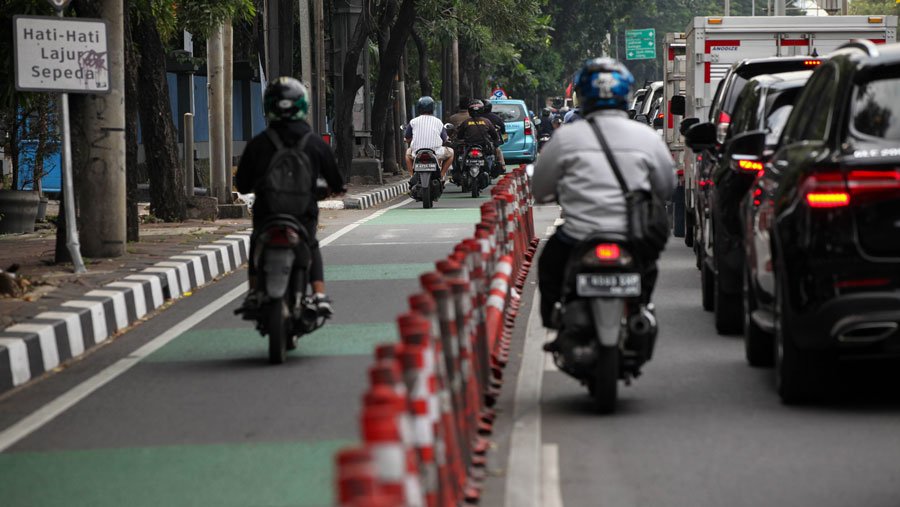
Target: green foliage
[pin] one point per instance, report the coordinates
(8, 9)
(200, 17)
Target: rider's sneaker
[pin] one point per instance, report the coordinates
(323, 305)
(251, 303)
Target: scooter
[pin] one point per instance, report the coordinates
(542, 140)
(476, 164)
(286, 310)
(426, 183)
(605, 333)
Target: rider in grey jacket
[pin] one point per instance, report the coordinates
(573, 170)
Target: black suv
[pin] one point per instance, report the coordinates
(824, 255)
(708, 154)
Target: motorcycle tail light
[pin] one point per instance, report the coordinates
(278, 236)
(607, 254)
(424, 157)
(475, 153)
(607, 251)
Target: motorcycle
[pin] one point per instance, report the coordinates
(542, 140)
(475, 166)
(426, 183)
(605, 333)
(286, 310)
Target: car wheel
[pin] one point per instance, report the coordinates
(758, 344)
(800, 376)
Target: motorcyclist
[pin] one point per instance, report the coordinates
(478, 130)
(461, 115)
(573, 169)
(427, 132)
(546, 126)
(286, 105)
(499, 125)
(573, 115)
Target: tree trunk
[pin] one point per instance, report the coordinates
(389, 65)
(167, 199)
(132, 226)
(391, 157)
(343, 122)
(14, 141)
(424, 79)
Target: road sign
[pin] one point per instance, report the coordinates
(499, 93)
(61, 54)
(640, 44)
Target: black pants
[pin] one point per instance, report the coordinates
(317, 268)
(551, 274)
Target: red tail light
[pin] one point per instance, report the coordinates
(724, 117)
(812, 63)
(475, 153)
(833, 190)
(424, 157)
(282, 237)
(527, 127)
(827, 199)
(608, 251)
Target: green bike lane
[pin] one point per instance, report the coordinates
(204, 420)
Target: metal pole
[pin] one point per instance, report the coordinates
(728, 7)
(779, 8)
(228, 110)
(189, 154)
(216, 121)
(306, 56)
(319, 16)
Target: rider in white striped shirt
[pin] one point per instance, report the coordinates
(427, 132)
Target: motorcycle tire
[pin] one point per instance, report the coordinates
(426, 197)
(604, 382)
(277, 329)
(476, 190)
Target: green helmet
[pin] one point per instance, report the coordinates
(286, 99)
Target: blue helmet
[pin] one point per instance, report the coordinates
(603, 83)
(425, 105)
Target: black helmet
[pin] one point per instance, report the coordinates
(425, 105)
(546, 112)
(286, 99)
(487, 105)
(476, 108)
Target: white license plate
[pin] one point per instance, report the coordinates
(608, 284)
(425, 168)
(478, 162)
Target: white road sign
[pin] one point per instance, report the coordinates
(61, 54)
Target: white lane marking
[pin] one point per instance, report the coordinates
(73, 329)
(98, 317)
(137, 295)
(120, 311)
(551, 495)
(393, 243)
(46, 337)
(523, 480)
(18, 359)
(155, 287)
(331, 239)
(22, 372)
(48, 412)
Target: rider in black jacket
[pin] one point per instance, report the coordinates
(498, 124)
(286, 106)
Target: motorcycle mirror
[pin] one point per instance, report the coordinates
(529, 170)
(537, 121)
(448, 126)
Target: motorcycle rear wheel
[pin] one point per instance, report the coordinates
(604, 382)
(426, 197)
(475, 188)
(277, 329)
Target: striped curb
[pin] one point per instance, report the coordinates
(369, 199)
(38, 345)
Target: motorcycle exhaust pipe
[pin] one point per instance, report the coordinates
(642, 323)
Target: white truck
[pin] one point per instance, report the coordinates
(674, 76)
(713, 44)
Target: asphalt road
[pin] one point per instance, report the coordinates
(204, 420)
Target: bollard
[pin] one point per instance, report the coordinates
(189, 154)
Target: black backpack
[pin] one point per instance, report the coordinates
(286, 186)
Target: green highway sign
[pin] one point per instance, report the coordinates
(640, 44)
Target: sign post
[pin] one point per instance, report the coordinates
(640, 44)
(498, 94)
(63, 55)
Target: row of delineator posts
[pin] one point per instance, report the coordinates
(428, 408)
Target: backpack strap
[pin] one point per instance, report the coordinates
(275, 138)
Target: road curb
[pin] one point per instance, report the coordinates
(375, 197)
(38, 345)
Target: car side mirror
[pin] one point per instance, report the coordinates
(701, 136)
(677, 105)
(658, 122)
(746, 150)
(642, 118)
(687, 123)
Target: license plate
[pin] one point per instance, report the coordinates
(475, 162)
(424, 168)
(608, 284)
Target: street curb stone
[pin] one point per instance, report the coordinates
(375, 197)
(38, 345)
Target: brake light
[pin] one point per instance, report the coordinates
(527, 127)
(425, 157)
(812, 63)
(749, 165)
(827, 199)
(279, 236)
(608, 251)
(475, 153)
(724, 117)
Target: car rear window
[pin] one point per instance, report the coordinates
(876, 109)
(744, 73)
(509, 112)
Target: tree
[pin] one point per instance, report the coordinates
(343, 122)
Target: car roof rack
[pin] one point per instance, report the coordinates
(862, 44)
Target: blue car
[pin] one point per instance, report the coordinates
(521, 144)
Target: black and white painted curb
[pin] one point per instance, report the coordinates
(369, 199)
(33, 347)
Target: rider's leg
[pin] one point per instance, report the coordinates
(551, 270)
(502, 159)
(317, 274)
(445, 164)
(409, 160)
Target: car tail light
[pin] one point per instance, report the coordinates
(827, 199)
(527, 127)
(722, 126)
(475, 153)
(812, 63)
(864, 282)
(865, 182)
(282, 236)
(834, 189)
(608, 251)
(750, 166)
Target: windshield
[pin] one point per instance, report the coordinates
(509, 112)
(876, 109)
